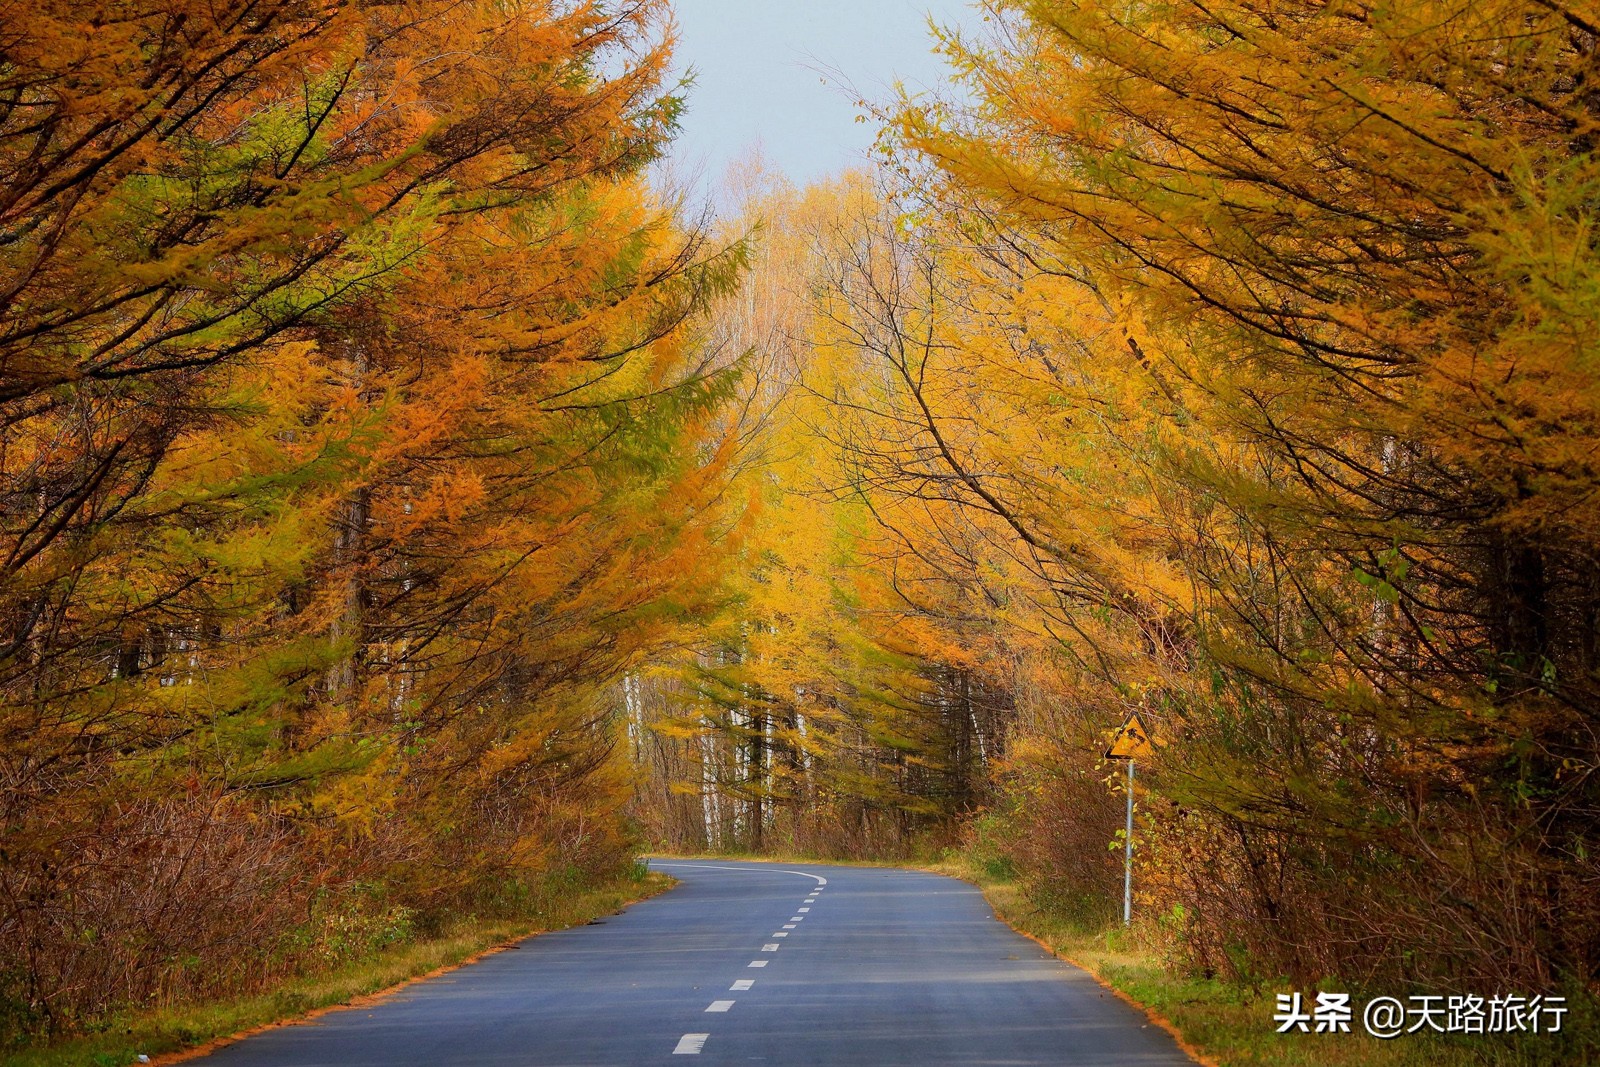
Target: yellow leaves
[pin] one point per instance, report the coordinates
(357, 434)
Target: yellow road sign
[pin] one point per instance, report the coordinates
(1131, 742)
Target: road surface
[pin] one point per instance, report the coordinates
(748, 963)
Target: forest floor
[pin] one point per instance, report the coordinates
(180, 1032)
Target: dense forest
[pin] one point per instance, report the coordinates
(409, 495)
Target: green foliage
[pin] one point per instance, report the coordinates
(357, 430)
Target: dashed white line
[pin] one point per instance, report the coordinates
(797, 918)
(692, 1044)
(788, 926)
(779, 933)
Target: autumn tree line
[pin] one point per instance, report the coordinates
(356, 428)
(407, 499)
(1232, 364)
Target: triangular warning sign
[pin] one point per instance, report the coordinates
(1131, 742)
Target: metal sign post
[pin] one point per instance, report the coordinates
(1127, 856)
(1132, 740)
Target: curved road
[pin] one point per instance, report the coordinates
(748, 963)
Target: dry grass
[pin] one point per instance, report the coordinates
(173, 1035)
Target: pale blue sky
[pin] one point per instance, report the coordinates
(757, 64)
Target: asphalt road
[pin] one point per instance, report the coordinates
(752, 964)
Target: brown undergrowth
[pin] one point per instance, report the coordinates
(187, 1031)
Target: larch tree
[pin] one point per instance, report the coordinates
(354, 432)
(1353, 240)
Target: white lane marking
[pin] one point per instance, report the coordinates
(720, 1005)
(802, 911)
(747, 870)
(788, 926)
(779, 933)
(741, 985)
(690, 1044)
(797, 918)
(773, 947)
(758, 963)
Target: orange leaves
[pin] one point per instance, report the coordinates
(1310, 436)
(354, 429)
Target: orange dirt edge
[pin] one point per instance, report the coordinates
(1154, 1016)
